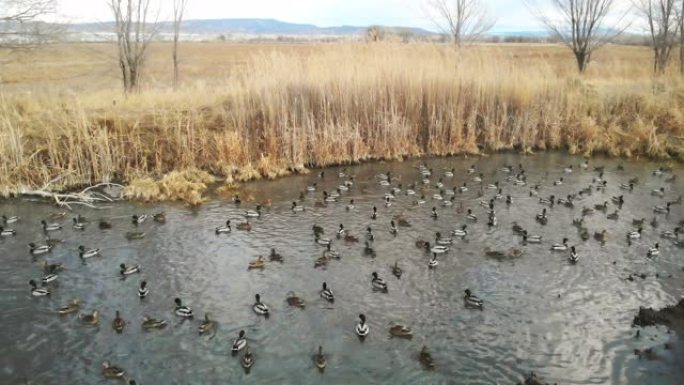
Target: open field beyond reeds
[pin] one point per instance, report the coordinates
(244, 111)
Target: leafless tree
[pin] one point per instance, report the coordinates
(133, 35)
(681, 38)
(462, 20)
(581, 25)
(21, 25)
(178, 11)
(663, 23)
(374, 33)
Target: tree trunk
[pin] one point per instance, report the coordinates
(582, 60)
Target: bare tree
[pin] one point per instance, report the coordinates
(178, 11)
(133, 36)
(681, 38)
(374, 33)
(462, 20)
(662, 20)
(20, 24)
(580, 24)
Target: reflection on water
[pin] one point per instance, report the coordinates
(569, 323)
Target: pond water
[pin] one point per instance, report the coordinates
(570, 323)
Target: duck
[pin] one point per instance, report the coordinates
(601, 207)
(296, 208)
(143, 291)
(548, 201)
(274, 256)
(433, 262)
(103, 224)
(327, 293)
(247, 360)
(654, 222)
(317, 229)
(462, 232)
(573, 258)
(662, 210)
(71, 307)
(396, 270)
(439, 240)
(471, 216)
(558, 182)
(437, 249)
(85, 254)
(600, 236)
(133, 235)
(350, 206)
(159, 217)
(568, 170)
(378, 283)
(207, 326)
(531, 238)
(587, 211)
(319, 359)
(401, 331)
(369, 234)
(38, 291)
(128, 270)
(425, 359)
(9, 220)
(463, 188)
(182, 310)
(253, 213)
(471, 301)
(659, 192)
(224, 229)
(634, 234)
(627, 186)
(257, 263)
(111, 371)
(542, 218)
(118, 323)
(322, 241)
(671, 234)
(244, 226)
(49, 277)
(50, 226)
(312, 187)
(613, 216)
(560, 246)
(328, 198)
(139, 219)
(259, 307)
(638, 222)
(350, 238)
(362, 328)
(295, 301)
(653, 251)
(57, 215)
(91, 319)
(152, 323)
(517, 229)
(393, 228)
(7, 232)
(39, 249)
(341, 231)
(433, 214)
(78, 225)
(240, 342)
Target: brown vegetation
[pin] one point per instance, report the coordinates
(249, 111)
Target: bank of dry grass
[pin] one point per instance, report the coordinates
(275, 110)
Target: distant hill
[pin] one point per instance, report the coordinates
(250, 27)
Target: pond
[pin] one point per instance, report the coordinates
(569, 323)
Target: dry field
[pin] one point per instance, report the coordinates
(258, 110)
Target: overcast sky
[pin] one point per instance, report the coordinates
(510, 14)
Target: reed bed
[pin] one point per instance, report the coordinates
(283, 110)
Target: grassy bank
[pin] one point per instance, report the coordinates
(271, 110)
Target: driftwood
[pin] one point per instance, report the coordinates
(86, 197)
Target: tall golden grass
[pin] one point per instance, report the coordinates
(279, 110)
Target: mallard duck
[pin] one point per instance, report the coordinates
(654, 222)
(517, 229)
(247, 360)
(396, 270)
(70, 308)
(374, 214)
(47, 278)
(139, 219)
(275, 256)
(627, 186)
(400, 331)
(181, 310)
(257, 263)
(7, 232)
(368, 250)
(50, 226)
(393, 228)
(104, 225)
(253, 213)
(378, 283)
(662, 210)
(151, 323)
(350, 238)
(240, 342)
(560, 246)
(671, 179)
(437, 249)
(634, 234)
(601, 207)
(57, 215)
(128, 270)
(327, 293)
(362, 328)
(159, 217)
(573, 258)
(548, 201)
(439, 240)
(558, 182)
(660, 192)
(613, 216)
(296, 208)
(568, 170)
(133, 235)
(207, 326)
(295, 301)
(638, 222)
(618, 200)
(259, 307)
(425, 359)
(89, 253)
(321, 261)
(584, 233)
(471, 216)
(311, 188)
(531, 238)
(319, 359)
(671, 234)
(600, 236)
(542, 218)
(78, 225)
(462, 232)
(9, 220)
(224, 229)
(236, 200)
(587, 211)
(369, 234)
(471, 301)
(90, 318)
(329, 253)
(244, 226)
(433, 262)
(118, 323)
(111, 371)
(327, 198)
(653, 251)
(350, 206)
(143, 291)
(341, 231)
(36, 291)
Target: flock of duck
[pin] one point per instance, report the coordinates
(427, 183)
